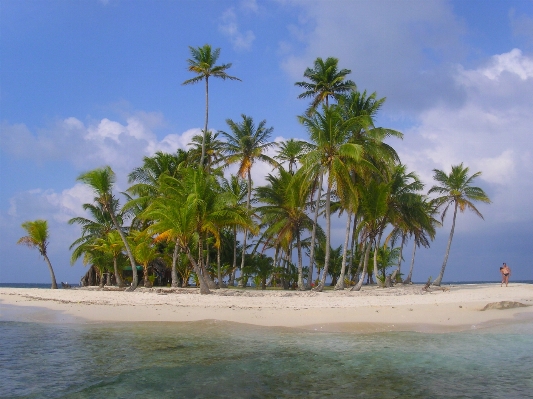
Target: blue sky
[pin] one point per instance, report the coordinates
(90, 83)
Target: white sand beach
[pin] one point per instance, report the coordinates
(401, 308)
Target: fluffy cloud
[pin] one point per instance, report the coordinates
(489, 132)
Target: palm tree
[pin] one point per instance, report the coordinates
(101, 180)
(456, 189)
(284, 213)
(245, 145)
(112, 244)
(38, 238)
(213, 148)
(235, 191)
(202, 63)
(292, 151)
(325, 81)
(333, 157)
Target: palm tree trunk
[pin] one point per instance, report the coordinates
(352, 247)
(207, 278)
(401, 254)
(243, 283)
(327, 256)
(206, 119)
(410, 276)
(204, 289)
(313, 235)
(380, 283)
(219, 268)
(135, 278)
(231, 281)
(301, 285)
(340, 283)
(51, 270)
(357, 287)
(147, 283)
(174, 271)
(438, 280)
(118, 278)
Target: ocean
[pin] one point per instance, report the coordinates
(226, 360)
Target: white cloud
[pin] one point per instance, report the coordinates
(490, 132)
(230, 28)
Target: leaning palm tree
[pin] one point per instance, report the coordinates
(202, 63)
(325, 81)
(245, 145)
(101, 180)
(38, 238)
(456, 189)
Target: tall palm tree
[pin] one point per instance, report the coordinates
(455, 189)
(38, 238)
(202, 63)
(284, 212)
(245, 145)
(333, 158)
(325, 81)
(101, 181)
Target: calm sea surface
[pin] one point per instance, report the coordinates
(224, 360)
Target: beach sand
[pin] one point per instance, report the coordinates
(401, 308)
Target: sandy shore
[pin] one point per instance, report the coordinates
(454, 308)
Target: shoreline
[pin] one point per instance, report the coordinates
(400, 308)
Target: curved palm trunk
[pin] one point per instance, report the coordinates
(206, 119)
(174, 272)
(204, 289)
(380, 283)
(340, 282)
(438, 280)
(327, 256)
(301, 285)
(243, 283)
(118, 278)
(357, 287)
(51, 270)
(361, 261)
(401, 255)
(313, 235)
(135, 278)
(410, 275)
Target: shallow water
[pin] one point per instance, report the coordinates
(213, 359)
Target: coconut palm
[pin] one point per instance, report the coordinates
(455, 189)
(291, 151)
(325, 81)
(213, 148)
(202, 63)
(284, 212)
(144, 251)
(245, 145)
(332, 157)
(112, 244)
(101, 181)
(235, 189)
(38, 238)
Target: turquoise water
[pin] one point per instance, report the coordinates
(224, 360)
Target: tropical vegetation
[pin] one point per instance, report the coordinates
(184, 221)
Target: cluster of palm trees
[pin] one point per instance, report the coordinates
(183, 213)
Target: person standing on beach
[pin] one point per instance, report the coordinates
(506, 272)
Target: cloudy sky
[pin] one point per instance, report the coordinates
(98, 82)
